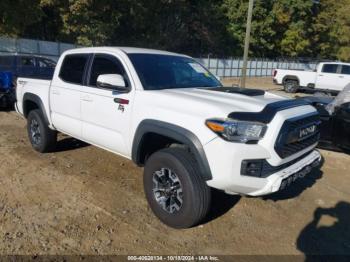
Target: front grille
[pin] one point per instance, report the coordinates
(288, 143)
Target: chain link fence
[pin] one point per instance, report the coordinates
(257, 67)
(34, 47)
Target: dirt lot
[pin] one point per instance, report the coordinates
(83, 200)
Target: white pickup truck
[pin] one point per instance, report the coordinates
(330, 77)
(168, 113)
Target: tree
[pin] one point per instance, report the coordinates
(290, 28)
(15, 16)
(193, 26)
(332, 30)
(340, 31)
(262, 32)
(323, 43)
(293, 25)
(86, 22)
(343, 31)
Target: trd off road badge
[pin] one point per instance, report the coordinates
(121, 108)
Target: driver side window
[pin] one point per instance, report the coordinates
(105, 64)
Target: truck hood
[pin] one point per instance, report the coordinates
(217, 102)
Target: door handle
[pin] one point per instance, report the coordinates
(87, 99)
(341, 76)
(320, 75)
(121, 101)
(56, 92)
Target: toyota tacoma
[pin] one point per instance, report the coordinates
(170, 115)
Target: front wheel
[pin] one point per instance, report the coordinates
(174, 188)
(42, 138)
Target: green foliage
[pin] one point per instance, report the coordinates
(262, 26)
(279, 27)
(86, 22)
(185, 26)
(288, 28)
(293, 20)
(16, 15)
(293, 28)
(340, 30)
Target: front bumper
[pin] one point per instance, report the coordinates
(282, 179)
(226, 168)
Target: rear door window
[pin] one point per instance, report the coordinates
(73, 68)
(45, 63)
(330, 68)
(27, 61)
(345, 70)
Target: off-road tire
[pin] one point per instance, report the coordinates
(47, 137)
(196, 195)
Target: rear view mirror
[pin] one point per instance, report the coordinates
(112, 81)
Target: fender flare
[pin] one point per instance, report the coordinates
(174, 132)
(37, 100)
(291, 77)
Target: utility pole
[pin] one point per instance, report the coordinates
(246, 43)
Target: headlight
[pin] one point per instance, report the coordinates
(237, 131)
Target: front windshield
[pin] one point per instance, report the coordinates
(166, 71)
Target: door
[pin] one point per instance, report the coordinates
(344, 77)
(106, 112)
(65, 94)
(328, 77)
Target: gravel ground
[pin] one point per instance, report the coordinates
(83, 200)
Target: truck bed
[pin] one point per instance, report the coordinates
(38, 87)
(305, 78)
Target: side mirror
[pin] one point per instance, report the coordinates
(218, 78)
(112, 81)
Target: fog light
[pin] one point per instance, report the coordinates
(251, 167)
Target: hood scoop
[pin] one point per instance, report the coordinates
(238, 90)
(269, 112)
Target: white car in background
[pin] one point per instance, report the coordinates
(329, 76)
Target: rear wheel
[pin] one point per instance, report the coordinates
(174, 188)
(42, 138)
(291, 86)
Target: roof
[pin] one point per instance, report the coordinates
(128, 50)
(336, 63)
(26, 55)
